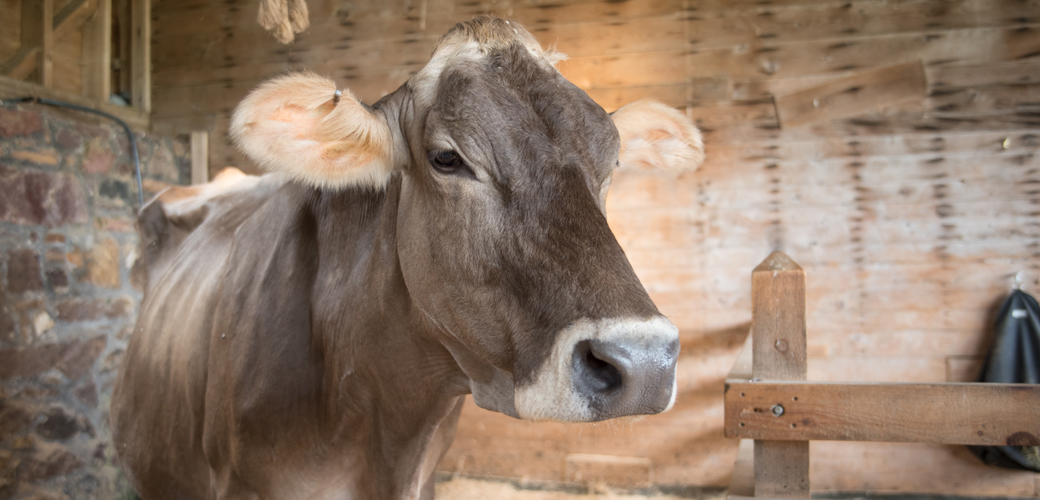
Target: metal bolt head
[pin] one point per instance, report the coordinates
(777, 410)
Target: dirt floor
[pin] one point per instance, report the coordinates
(464, 488)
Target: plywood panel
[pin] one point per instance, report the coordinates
(764, 24)
(812, 57)
(853, 95)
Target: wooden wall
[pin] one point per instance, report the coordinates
(890, 147)
(68, 49)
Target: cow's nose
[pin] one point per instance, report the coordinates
(626, 376)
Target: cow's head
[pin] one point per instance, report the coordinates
(501, 233)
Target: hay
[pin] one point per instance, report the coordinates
(463, 488)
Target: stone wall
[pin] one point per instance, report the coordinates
(67, 301)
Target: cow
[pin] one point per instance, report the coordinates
(312, 333)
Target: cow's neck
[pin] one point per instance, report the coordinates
(388, 384)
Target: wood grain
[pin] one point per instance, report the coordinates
(10, 87)
(778, 352)
(141, 55)
(71, 17)
(853, 95)
(97, 52)
(199, 156)
(954, 413)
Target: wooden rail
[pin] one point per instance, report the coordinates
(768, 400)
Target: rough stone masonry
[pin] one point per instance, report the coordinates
(68, 300)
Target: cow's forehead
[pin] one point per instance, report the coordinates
(471, 42)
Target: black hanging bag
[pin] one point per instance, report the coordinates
(1014, 358)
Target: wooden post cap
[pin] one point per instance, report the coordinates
(777, 261)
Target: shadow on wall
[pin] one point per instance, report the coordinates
(67, 301)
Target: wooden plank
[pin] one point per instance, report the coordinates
(37, 41)
(889, 122)
(779, 352)
(22, 64)
(742, 483)
(972, 414)
(68, 64)
(743, 365)
(97, 53)
(772, 61)
(915, 471)
(369, 20)
(852, 95)
(1022, 72)
(10, 87)
(199, 156)
(123, 58)
(964, 368)
(1015, 98)
(781, 469)
(46, 41)
(72, 16)
(613, 98)
(626, 70)
(141, 55)
(778, 319)
(848, 20)
(608, 37)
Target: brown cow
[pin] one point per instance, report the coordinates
(312, 333)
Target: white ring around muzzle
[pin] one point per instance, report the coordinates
(553, 393)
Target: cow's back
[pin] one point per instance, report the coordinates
(187, 235)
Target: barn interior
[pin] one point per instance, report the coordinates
(888, 146)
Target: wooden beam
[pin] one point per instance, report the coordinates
(853, 95)
(742, 482)
(141, 54)
(742, 368)
(10, 87)
(46, 40)
(122, 63)
(199, 156)
(779, 353)
(975, 414)
(72, 17)
(22, 64)
(37, 43)
(35, 37)
(778, 319)
(97, 53)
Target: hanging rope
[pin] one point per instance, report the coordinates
(283, 18)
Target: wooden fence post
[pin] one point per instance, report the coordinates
(779, 353)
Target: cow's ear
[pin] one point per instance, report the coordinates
(299, 124)
(655, 136)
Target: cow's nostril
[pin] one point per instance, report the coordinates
(605, 377)
(625, 375)
(596, 373)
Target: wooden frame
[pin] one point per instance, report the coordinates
(770, 406)
(42, 28)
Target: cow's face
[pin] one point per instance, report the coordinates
(501, 233)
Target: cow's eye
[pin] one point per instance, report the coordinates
(447, 161)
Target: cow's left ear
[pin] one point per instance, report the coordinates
(655, 136)
(301, 125)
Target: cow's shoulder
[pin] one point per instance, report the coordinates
(178, 213)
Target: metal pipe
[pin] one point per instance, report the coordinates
(77, 107)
